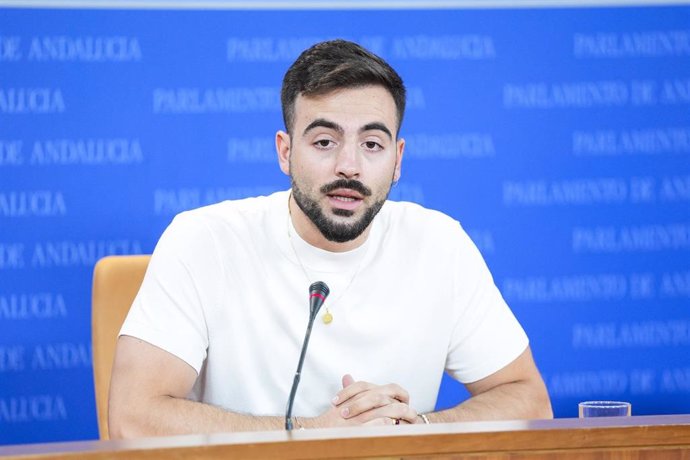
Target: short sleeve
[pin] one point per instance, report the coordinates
(168, 310)
(486, 335)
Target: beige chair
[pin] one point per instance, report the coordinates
(116, 281)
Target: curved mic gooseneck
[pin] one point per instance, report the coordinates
(317, 296)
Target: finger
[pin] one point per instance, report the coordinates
(400, 411)
(396, 410)
(347, 380)
(397, 392)
(363, 396)
(409, 415)
(380, 421)
(358, 389)
(365, 402)
(352, 390)
(394, 391)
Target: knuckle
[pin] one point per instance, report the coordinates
(381, 400)
(353, 409)
(406, 411)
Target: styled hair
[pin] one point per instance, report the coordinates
(333, 65)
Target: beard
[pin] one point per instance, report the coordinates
(331, 230)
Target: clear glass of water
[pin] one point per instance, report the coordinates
(604, 409)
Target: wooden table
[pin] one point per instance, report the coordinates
(642, 437)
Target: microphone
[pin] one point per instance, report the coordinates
(317, 296)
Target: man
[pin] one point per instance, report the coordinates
(213, 338)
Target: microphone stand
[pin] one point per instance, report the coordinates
(318, 292)
(295, 382)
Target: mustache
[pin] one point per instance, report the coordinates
(351, 184)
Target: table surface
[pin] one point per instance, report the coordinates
(514, 438)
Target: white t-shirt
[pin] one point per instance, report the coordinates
(225, 292)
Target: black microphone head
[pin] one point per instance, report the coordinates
(318, 292)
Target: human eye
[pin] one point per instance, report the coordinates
(372, 146)
(323, 144)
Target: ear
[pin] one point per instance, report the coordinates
(283, 150)
(400, 148)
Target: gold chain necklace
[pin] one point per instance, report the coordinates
(327, 317)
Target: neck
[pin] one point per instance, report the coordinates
(310, 233)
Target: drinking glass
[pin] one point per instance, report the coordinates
(604, 409)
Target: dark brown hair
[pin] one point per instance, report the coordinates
(336, 64)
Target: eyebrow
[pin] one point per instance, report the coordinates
(323, 123)
(376, 126)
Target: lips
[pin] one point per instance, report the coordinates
(345, 194)
(345, 199)
(348, 188)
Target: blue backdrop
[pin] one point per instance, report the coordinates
(560, 138)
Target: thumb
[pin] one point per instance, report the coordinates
(347, 380)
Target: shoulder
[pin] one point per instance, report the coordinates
(225, 221)
(412, 217)
(410, 223)
(231, 212)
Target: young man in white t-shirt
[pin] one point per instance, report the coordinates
(214, 335)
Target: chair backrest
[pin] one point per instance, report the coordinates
(116, 281)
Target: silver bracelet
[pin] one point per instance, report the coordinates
(425, 418)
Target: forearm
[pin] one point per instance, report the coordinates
(510, 401)
(167, 416)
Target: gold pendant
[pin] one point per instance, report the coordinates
(327, 317)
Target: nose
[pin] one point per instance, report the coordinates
(347, 164)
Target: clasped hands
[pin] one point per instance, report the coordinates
(363, 403)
